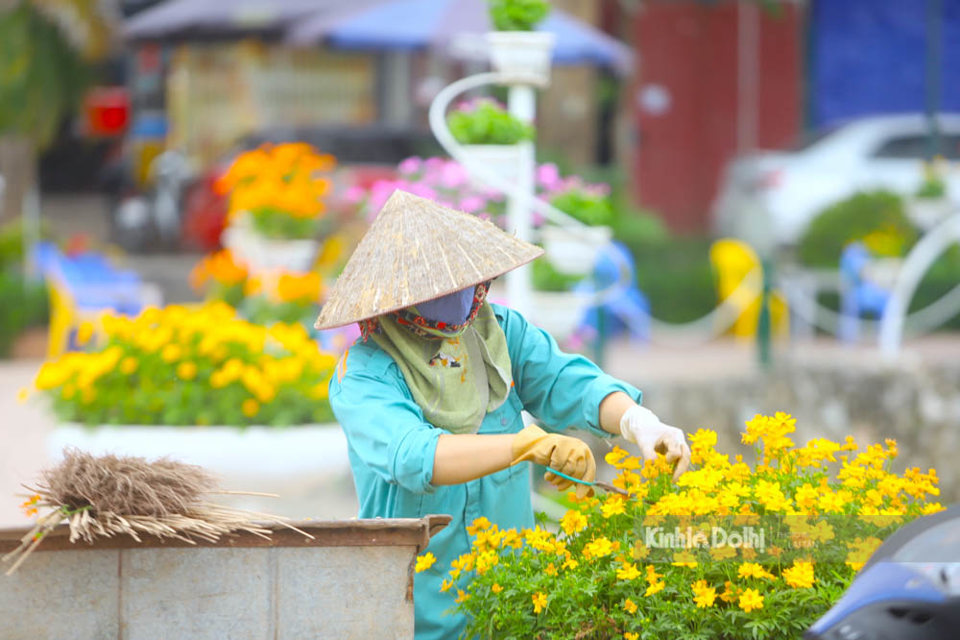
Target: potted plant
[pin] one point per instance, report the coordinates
(515, 48)
(202, 385)
(573, 250)
(490, 137)
(277, 210)
(930, 203)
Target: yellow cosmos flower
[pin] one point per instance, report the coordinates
(655, 588)
(480, 524)
(750, 600)
(129, 365)
(753, 570)
(629, 635)
(597, 548)
(424, 562)
(250, 407)
(462, 596)
(573, 521)
(703, 594)
(614, 505)
(799, 575)
(539, 601)
(496, 588)
(628, 571)
(187, 371)
(630, 606)
(445, 585)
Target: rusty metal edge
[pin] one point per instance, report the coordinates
(414, 532)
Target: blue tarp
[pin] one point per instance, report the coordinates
(870, 56)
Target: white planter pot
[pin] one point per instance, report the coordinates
(574, 250)
(306, 465)
(559, 313)
(261, 254)
(502, 160)
(524, 56)
(927, 212)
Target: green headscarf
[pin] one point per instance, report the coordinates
(455, 380)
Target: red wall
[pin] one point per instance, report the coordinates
(690, 49)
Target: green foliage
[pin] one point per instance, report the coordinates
(42, 78)
(486, 122)
(23, 304)
(518, 15)
(676, 276)
(547, 278)
(877, 217)
(276, 223)
(932, 187)
(588, 206)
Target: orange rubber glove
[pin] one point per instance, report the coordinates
(563, 453)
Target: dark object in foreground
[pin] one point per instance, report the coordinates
(909, 590)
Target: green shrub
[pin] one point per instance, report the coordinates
(23, 304)
(878, 218)
(483, 121)
(518, 15)
(676, 276)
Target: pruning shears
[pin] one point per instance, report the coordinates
(606, 486)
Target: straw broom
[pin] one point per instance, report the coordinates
(113, 495)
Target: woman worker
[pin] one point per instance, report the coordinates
(431, 397)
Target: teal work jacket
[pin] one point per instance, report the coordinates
(391, 448)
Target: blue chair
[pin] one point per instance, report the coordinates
(81, 288)
(625, 309)
(858, 296)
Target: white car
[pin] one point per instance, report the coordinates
(769, 198)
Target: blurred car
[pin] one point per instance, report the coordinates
(768, 198)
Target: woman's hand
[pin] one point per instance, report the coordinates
(642, 427)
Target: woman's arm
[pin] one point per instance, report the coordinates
(464, 457)
(612, 409)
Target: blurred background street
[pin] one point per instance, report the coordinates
(760, 201)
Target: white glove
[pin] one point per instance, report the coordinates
(642, 427)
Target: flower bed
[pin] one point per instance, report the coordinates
(730, 551)
(180, 366)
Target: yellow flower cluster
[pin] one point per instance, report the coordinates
(283, 179)
(219, 267)
(203, 365)
(822, 503)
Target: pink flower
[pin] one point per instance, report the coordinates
(472, 204)
(354, 194)
(422, 190)
(548, 176)
(411, 165)
(452, 175)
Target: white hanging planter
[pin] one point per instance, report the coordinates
(926, 213)
(523, 55)
(261, 254)
(502, 160)
(574, 250)
(559, 312)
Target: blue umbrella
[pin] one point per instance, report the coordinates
(408, 25)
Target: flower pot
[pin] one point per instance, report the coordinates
(261, 254)
(502, 160)
(306, 465)
(524, 56)
(559, 313)
(574, 250)
(927, 212)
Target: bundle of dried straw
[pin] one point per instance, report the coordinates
(112, 495)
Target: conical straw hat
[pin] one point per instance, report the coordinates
(417, 250)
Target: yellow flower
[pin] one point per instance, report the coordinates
(753, 570)
(128, 365)
(597, 548)
(630, 606)
(539, 601)
(496, 588)
(186, 371)
(250, 407)
(171, 353)
(629, 635)
(462, 596)
(573, 521)
(424, 562)
(750, 599)
(703, 595)
(614, 505)
(479, 524)
(799, 575)
(445, 585)
(486, 560)
(628, 571)
(654, 588)
(84, 333)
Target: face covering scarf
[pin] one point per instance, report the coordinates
(457, 373)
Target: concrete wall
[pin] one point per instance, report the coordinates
(918, 405)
